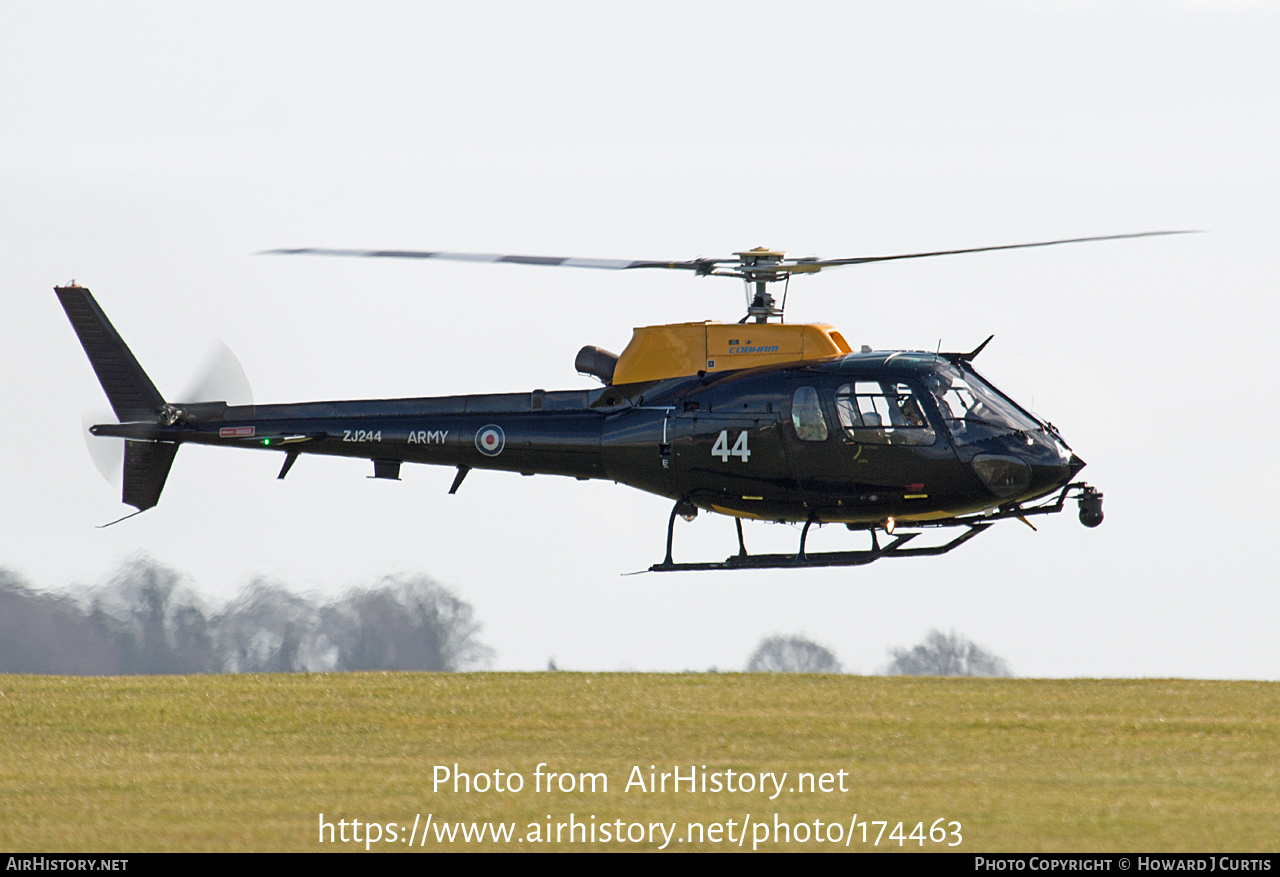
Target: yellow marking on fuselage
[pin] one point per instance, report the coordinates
(738, 513)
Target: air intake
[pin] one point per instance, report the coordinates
(596, 362)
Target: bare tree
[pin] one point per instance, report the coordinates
(159, 623)
(404, 624)
(46, 633)
(945, 655)
(269, 630)
(792, 654)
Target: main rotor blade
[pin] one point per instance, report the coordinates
(557, 261)
(810, 264)
(772, 269)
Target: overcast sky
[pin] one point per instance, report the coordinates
(148, 150)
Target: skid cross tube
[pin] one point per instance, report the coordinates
(671, 527)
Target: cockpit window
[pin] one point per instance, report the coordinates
(806, 415)
(974, 410)
(883, 413)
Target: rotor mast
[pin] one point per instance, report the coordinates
(759, 267)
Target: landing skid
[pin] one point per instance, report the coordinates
(825, 558)
(973, 524)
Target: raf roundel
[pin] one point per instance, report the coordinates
(490, 440)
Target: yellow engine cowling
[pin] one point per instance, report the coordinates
(659, 352)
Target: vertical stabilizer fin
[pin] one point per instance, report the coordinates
(146, 466)
(127, 386)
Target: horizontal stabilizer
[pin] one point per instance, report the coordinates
(130, 391)
(146, 466)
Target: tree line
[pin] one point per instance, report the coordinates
(145, 621)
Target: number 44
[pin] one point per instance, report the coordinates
(740, 449)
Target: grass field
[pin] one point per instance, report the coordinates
(249, 762)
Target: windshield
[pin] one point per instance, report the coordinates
(973, 409)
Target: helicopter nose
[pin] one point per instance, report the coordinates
(1052, 465)
(1047, 476)
(1055, 464)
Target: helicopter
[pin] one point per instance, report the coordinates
(759, 420)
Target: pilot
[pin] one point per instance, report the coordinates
(911, 413)
(940, 385)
